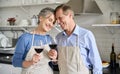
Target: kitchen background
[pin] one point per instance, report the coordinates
(96, 22)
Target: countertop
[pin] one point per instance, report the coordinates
(111, 71)
(6, 58)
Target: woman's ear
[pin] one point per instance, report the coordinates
(40, 18)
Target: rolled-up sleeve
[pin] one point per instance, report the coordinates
(94, 56)
(19, 53)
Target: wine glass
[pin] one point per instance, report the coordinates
(53, 44)
(38, 46)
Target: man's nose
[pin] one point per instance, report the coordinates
(58, 21)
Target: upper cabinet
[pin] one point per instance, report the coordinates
(108, 5)
(23, 10)
(14, 3)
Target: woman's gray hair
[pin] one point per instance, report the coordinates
(44, 12)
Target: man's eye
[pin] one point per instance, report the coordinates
(60, 18)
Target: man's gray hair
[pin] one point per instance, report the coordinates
(65, 8)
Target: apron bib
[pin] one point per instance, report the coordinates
(42, 66)
(70, 61)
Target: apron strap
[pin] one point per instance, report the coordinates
(78, 59)
(33, 38)
(46, 39)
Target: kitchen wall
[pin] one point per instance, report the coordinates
(20, 13)
(105, 36)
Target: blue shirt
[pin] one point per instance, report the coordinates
(87, 45)
(24, 44)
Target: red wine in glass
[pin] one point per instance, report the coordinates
(53, 46)
(38, 50)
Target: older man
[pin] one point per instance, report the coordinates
(77, 50)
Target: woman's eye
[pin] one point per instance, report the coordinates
(50, 20)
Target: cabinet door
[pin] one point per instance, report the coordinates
(12, 3)
(5, 69)
(8, 3)
(16, 70)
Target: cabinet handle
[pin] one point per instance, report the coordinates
(0, 66)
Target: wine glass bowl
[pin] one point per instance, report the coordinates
(53, 46)
(38, 50)
(38, 46)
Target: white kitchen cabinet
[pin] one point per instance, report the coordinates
(5, 69)
(16, 70)
(9, 69)
(15, 3)
(8, 3)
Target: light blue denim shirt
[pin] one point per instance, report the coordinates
(87, 45)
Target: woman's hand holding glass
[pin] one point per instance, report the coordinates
(38, 49)
(36, 58)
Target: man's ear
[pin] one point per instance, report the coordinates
(70, 14)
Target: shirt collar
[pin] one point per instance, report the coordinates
(75, 32)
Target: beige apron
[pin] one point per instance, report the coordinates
(70, 61)
(42, 66)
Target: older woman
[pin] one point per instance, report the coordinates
(25, 55)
